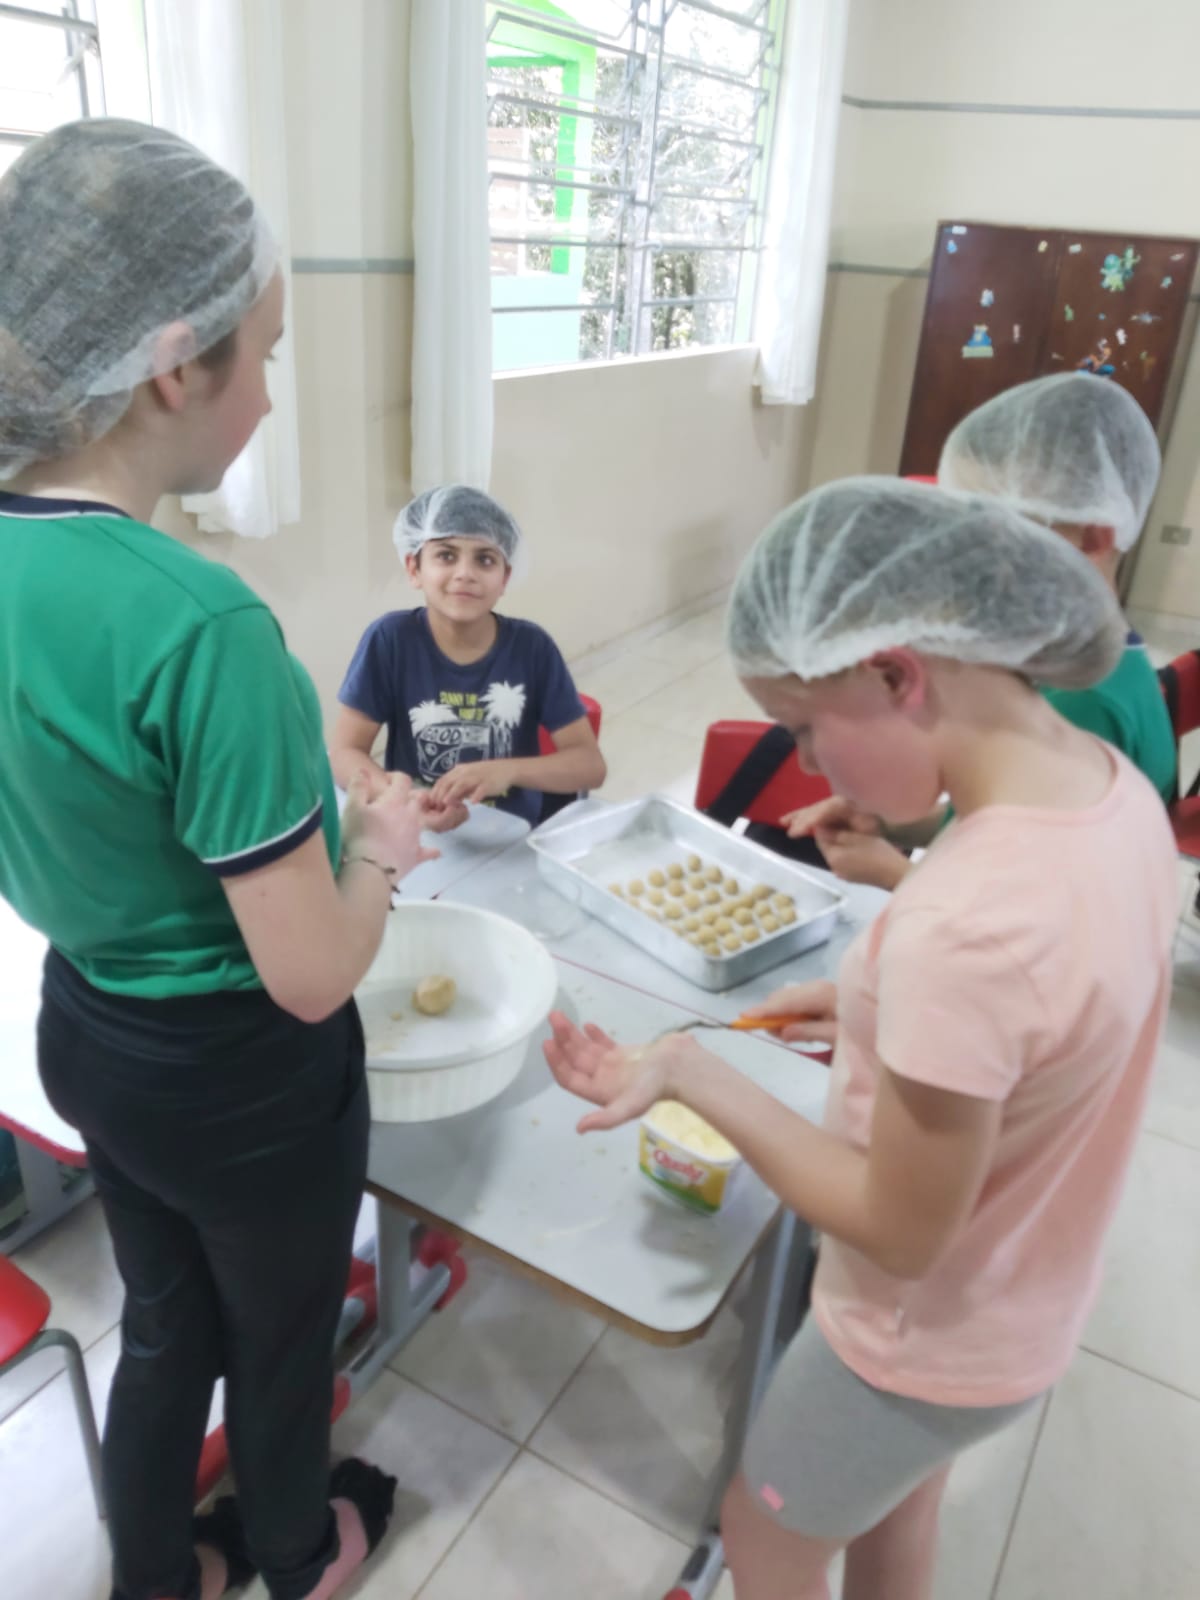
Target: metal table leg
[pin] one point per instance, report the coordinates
(408, 1292)
(777, 1301)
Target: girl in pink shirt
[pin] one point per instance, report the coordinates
(995, 1027)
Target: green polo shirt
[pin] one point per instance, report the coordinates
(1129, 711)
(156, 738)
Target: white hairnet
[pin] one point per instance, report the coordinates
(875, 564)
(455, 511)
(111, 231)
(1073, 448)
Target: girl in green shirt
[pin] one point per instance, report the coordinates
(167, 821)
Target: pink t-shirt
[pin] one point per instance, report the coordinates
(1026, 960)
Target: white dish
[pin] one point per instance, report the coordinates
(420, 1068)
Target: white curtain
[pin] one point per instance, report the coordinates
(790, 294)
(452, 328)
(216, 78)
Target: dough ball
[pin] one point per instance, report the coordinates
(782, 902)
(724, 925)
(637, 887)
(656, 878)
(656, 897)
(694, 863)
(674, 911)
(769, 924)
(709, 914)
(711, 948)
(743, 915)
(677, 887)
(761, 892)
(713, 874)
(675, 870)
(713, 896)
(694, 938)
(655, 916)
(434, 994)
(696, 883)
(731, 886)
(692, 901)
(750, 935)
(786, 916)
(691, 925)
(732, 942)
(615, 888)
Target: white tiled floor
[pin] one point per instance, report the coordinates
(540, 1455)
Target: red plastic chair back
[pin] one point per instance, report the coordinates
(24, 1308)
(593, 712)
(726, 746)
(1180, 681)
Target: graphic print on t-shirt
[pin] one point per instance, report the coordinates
(460, 726)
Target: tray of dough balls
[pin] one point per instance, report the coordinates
(714, 907)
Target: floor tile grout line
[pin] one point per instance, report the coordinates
(452, 1546)
(613, 716)
(453, 1405)
(604, 1494)
(994, 1592)
(1136, 1372)
(1171, 1138)
(575, 1371)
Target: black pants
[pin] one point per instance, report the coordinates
(228, 1143)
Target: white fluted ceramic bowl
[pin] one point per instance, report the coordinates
(421, 1068)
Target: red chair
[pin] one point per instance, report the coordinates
(552, 804)
(591, 708)
(24, 1310)
(726, 746)
(1180, 682)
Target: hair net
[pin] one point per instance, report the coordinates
(455, 511)
(1072, 448)
(875, 563)
(110, 231)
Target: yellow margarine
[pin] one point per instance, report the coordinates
(681, 1153)
(680, 1122)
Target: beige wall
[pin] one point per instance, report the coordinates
(638, 485)
(900, 170)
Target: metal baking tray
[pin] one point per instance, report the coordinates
(581, 859)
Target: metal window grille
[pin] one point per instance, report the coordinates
(49, 69)
(628, 146)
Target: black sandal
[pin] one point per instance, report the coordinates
(371, 1492)
(221, 1529)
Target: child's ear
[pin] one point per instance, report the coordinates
(1097, 540)
(507, 575)
(412, 565)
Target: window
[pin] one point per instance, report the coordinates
(50, 68)
(627, 154)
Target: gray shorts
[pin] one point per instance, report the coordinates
(829, 1456)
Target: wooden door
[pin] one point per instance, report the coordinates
(1119, 309)
(987, 312)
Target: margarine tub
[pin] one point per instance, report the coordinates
(684, 1155)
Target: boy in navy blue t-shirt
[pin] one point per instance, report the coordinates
(463, 692)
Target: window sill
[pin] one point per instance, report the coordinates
(624, 363)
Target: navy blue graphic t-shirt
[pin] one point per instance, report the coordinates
(439, 713)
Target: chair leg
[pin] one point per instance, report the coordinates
(81, 1395)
